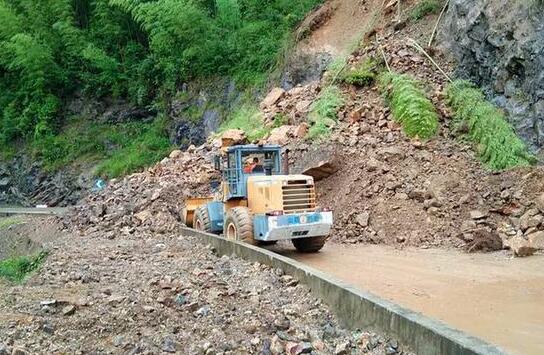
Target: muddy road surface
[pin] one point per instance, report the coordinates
(492, 296)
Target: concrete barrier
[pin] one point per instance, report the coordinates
(358, 309)
(49, 211)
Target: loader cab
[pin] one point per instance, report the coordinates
(244, 161)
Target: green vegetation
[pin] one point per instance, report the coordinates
(137, 50)
(17, 268)
(124, 147)
(363, 74)
(409, 105)
(280, 120)
(335, 69)
(147, 147)
(424, 8)
(249, 119)
(10, 221)
(324, 112)
(498, 145)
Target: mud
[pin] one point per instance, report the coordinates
(492, 296)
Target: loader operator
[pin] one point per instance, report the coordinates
(254, 166)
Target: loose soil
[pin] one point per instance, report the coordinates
(23, 236)
(339, 25)
(107, 291)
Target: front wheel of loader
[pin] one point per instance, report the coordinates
(239, 225)
(309, 245)
(201, 220)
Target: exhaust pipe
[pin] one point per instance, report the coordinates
(285, 167)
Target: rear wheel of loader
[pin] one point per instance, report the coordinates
(309, 245)
(201, 220)
(239, 225)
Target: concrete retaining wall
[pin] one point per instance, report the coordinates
(358, 309)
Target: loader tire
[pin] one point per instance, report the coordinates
(309, 245)
(239, 225)
(201, 220)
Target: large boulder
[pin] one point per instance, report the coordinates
(281, 135)
(521, 246)
(273, 97)
(536, 240)
(233, 137)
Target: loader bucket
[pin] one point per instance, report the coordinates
(191, 204)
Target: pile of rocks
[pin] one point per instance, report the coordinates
(293, 104)
(150, 201)
(394, 190)
(524, 232)
(148, 294)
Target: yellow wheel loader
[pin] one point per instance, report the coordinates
(260, 204)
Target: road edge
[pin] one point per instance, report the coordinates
(360, 309)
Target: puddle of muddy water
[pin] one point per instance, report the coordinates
(492, 296)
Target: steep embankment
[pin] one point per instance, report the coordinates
(393, 189)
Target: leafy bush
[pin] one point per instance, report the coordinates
(139, 50)
(362, 75)
(116, 144)
(498, 145)
(249, 119)
(324, 112)
(17, 268)
(143, 150)
(409, 105)
(424, 8)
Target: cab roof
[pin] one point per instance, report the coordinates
(253, 147)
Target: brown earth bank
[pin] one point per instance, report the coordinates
(393, 190)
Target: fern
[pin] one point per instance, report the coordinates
(10, 24)
(409, 105)
(424, 8)
(498, 145)
(228, 14)
(363, 74)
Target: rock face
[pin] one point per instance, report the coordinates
(198, 110)
(499, 45)
(25, 182)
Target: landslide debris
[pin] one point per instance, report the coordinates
(121, 273)
(142, 293)
(389, 189)
(149, 202)
(121, 279)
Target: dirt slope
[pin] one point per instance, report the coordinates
(338, 26)
(390, 189)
